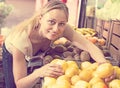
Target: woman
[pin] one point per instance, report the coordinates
(36, 34)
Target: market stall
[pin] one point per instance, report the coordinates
(80, 70)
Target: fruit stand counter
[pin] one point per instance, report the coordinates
(110, 31)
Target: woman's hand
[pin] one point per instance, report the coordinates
(110, 78)
(50, 70)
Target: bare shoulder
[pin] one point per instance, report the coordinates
(17, 53)
(68, 26)
(69, 31)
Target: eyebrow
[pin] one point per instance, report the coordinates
(55, 20)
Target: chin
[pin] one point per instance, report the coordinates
(52, 37)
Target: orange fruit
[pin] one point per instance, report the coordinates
(92, 39)
(101, 41)
(104, 70)
(2, 38)
(62, 40)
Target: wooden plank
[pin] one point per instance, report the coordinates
(110, 32)
(115, 41)
(114, 53)
(116, 28)
(106, 25)
(105, 34)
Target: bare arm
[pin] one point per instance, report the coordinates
(20, 71)
(22, 80)
(82, 43)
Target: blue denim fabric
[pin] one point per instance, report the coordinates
(7, 68)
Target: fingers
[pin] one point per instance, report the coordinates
(54, 70)
(111, 77)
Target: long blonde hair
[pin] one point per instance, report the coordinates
(33, 22)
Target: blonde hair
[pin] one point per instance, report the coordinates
(33, 22)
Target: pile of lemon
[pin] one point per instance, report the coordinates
(86, 75)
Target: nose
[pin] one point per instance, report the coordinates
(56, 28)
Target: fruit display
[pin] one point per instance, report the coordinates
(80, 70)
(64, 49)
(86, 31)
(79, 76)
(91, 35)
(67, 51)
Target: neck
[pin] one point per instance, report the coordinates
(36, 37)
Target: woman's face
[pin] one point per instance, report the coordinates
(53, 24)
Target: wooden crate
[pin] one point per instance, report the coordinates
(103, 29)
(115, 40)
(110, 31)
(106, 25)
(106, 31)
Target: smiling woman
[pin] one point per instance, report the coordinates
(35, 35)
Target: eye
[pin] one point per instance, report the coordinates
(62, 24)
(51, 22)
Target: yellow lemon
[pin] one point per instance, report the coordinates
(94, 80)
(71, 71)
(117, 70)
(74, 79)
(85, 65)
(72, 64)
(61, 63)
(114, 83)
(82, 84)
(86, 74)
(99, 85)
(48, 81)
(104, 70)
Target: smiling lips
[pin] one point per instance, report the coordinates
(53, 33)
